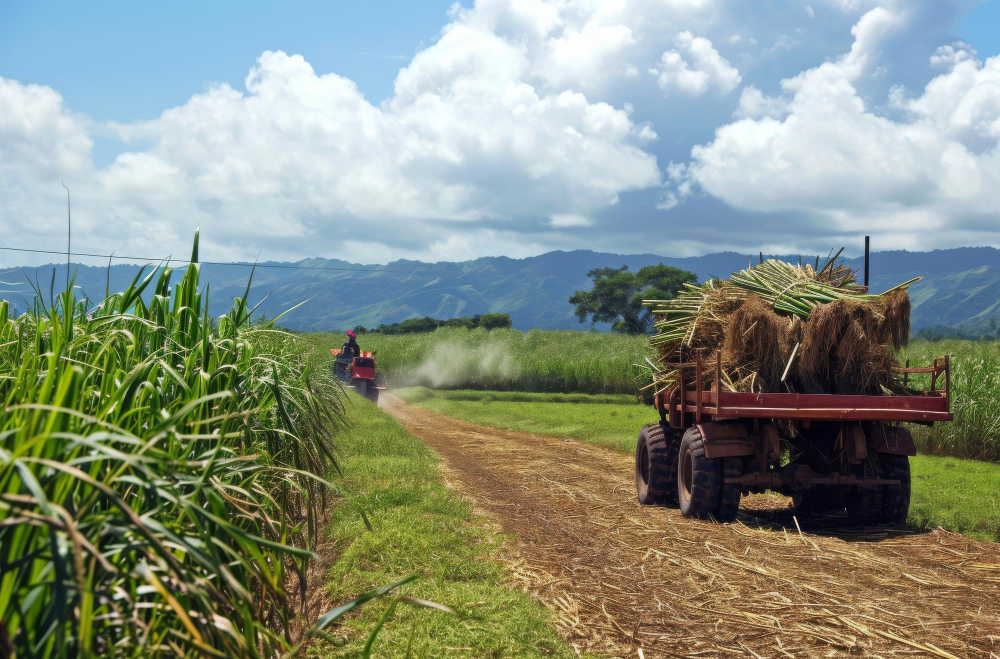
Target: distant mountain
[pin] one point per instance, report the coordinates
(960, 292)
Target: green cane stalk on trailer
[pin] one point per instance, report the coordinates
(159, 476)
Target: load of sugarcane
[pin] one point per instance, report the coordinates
(780, 327)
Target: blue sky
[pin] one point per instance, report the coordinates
(680, 127)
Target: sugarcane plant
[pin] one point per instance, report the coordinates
(161, 475)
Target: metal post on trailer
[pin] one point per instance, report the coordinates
(867, 244)
(718, 382)
(680, 376)
(698, 386)
(947, 378)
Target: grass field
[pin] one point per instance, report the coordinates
(960, 495)
(420, 526)
(590, 362)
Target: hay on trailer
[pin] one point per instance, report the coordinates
(758, 340)
(781, 327)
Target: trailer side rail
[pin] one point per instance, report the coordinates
(925, 407)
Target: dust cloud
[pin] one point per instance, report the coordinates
(453, 365)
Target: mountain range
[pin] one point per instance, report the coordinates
(958, 295)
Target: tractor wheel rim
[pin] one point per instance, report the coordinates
(687, 474)
(644, 464)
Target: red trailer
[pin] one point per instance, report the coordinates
(827, 451)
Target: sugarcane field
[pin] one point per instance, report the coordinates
(498, 328)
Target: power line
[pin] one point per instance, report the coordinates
(169, 260)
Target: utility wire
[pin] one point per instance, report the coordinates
(169, 260)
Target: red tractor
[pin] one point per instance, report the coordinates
(358, 373)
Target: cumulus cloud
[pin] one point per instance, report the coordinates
(526, 126)
(565, 220)
(820, 150)
(463, 139)
(755, 104)
(951, 54)
(694, 68)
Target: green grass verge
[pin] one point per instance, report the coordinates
(959, 495)
(419, 525)
(610, 421)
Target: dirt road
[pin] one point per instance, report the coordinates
(621, 577)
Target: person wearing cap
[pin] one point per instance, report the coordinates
(351, 347)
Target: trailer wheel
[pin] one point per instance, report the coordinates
(729, 499)
(699, 478)
(656, 465)
(864, 504)
(371, 392)
(895, 498)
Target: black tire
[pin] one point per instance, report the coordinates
(371, 391)
(864, 504)
(656, 465)
(895, 498)
(729, 497)
(699, 479)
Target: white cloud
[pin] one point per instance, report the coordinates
(820, 150)
(754, 104)
(528, 109)
(951, 54)
(300, 154)
(694, 68)
(566, 220)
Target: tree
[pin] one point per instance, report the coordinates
(617, 295)
(495, 321)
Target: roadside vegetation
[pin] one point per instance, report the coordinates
(421, 526)
(160, 476)
(975, 398)
(959, 495)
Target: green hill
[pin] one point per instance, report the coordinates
(960, 292)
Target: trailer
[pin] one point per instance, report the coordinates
(828, 452)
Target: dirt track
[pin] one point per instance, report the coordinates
(621, 577)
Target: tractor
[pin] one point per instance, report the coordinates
(359, 373)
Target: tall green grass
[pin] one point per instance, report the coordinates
(975, 398)
(160, 482)
(507, 359)
(591, 362)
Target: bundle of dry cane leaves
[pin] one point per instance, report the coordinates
(781, 327)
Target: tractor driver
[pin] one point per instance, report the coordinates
(351, 347)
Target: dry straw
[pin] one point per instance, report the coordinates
(784, 327)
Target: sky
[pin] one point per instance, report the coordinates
(437, 131)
